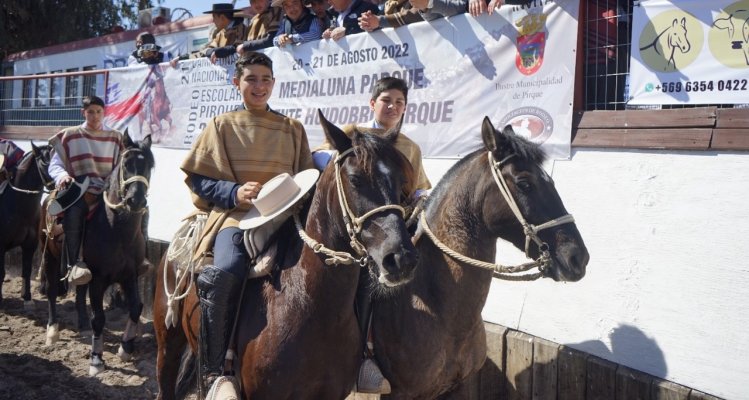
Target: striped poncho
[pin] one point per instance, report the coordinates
(87, 152)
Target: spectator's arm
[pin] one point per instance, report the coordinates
(314, 33)
(261, 43)
(403, 17)
(225, 51)
(221, 193)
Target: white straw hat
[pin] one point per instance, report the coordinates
(278, 195)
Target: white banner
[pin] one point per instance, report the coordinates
(690, 52)
(517, 67)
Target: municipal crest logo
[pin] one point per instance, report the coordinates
(531, 43)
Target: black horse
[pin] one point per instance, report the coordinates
(19, 212)
(113, 248)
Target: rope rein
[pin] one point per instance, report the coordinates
(511, 273)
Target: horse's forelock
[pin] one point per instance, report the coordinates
(369, 147)
(525, 149)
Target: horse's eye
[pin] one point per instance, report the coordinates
(523, 185)
(355, 180)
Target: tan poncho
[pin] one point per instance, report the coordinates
(264, 23)
(244, 146)
(406, 146)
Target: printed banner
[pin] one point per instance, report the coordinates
(516, 67)
(691, 52)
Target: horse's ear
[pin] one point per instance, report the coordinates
(488, 134)
(34, 148)
(146, 142)
(126, 140)
(335, 135)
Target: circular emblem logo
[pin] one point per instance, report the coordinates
(530, 122)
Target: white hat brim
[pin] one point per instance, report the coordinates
(304, 179)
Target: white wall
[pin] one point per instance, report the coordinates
(668, 279)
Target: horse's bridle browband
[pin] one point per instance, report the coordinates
(353, 224)
(530, 231)
(122, 183)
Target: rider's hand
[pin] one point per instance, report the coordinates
(64, 182)
(494, 4)
(247, 192)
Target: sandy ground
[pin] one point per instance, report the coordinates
(31, 370)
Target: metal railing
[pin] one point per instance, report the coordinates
(48, 99)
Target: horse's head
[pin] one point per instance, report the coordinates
(133, 173)
(539, 223)
(42, 156)
(32, 171)
(677, 36)
(366, 182)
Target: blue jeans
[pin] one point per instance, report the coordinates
(229, 253)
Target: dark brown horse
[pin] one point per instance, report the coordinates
(113, 248)
(429, 335)
(297, 335)
(19, 213)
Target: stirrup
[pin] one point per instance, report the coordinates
(225, 387)
(78, 274)
(371, 379)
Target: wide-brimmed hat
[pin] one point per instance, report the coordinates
(278, 195)
(222, 8)
(68, 196)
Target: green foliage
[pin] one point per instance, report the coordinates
(26, 25)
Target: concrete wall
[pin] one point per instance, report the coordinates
(668, 275)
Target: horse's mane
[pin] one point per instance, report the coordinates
(522, 148)
(27, 161)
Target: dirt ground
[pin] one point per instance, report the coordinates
(30, 370)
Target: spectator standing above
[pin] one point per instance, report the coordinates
(146, 51)
(263, 26)
(397, 13)
(320, 9)
(298, 24)
(345, 17)
(229, 30)
(434, 9)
